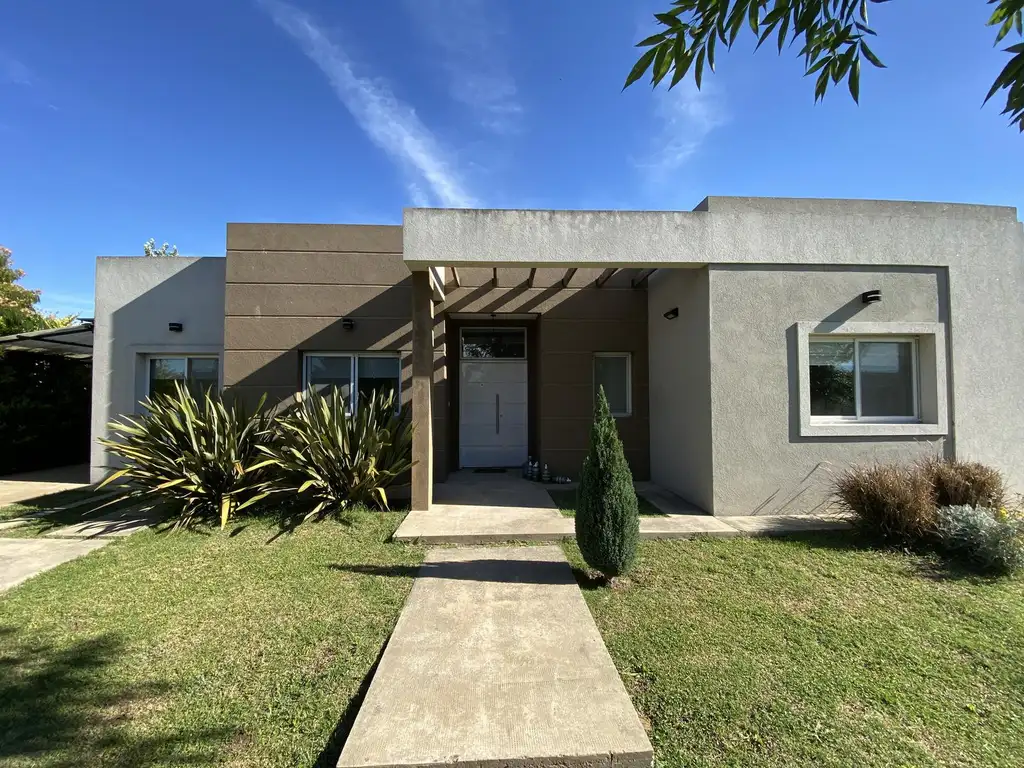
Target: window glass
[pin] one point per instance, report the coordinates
(378, 374)
(612, 373)
(326, 371)
(493, 343)
(833, 388)
(886, 378)
(199, 374)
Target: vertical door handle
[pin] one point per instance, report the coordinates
(497, 415)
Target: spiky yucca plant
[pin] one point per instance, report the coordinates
(333, 459)
(197, 454)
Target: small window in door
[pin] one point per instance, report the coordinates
(493, 343)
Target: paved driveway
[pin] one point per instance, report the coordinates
(21, 559)
(15, 488)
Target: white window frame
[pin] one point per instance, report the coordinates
(353, 394)
(629, 380)
(858, 417)
(180, 356)
(933, 420)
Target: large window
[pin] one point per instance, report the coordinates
(352, 374)
(198, 374)
(871, 379)
(493, 343)
(612, 371)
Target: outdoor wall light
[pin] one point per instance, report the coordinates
(347, 324)
(672, 314)
(870, 297)
(174, 327)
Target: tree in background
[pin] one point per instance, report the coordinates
(149, 249)
(607, 514)
(834, 35)
(18, 312)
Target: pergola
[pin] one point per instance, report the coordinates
(74, 341)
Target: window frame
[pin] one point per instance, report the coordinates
(858, 417)
(186, 356)
(629, 381)
(473, 328)
(353, 373)
(932, 378)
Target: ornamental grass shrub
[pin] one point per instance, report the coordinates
(986, 539)
(964, 483)
(607, 514)
(893, 501)
(195, 456)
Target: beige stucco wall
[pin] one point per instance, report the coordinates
(288, 287)
(762, 465)
(680, 376)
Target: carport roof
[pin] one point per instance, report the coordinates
(74, 341)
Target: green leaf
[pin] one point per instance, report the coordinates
(640, 67)
(652, 40)
(870, 56)
(855, 80)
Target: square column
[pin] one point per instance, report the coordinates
(422, 391)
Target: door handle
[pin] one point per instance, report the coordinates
(497, 414)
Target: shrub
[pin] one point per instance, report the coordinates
(891, 500)
(990, 540)
(333, 459)
(607, 518)
(964, 483)
(196, 455)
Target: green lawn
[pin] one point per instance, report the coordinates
(566, 503)
(47, 502)
(812, 651)
(168, 649)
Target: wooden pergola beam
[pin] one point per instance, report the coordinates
(494, 279)
(531, 278)
(641, 277)
(568, 276)
(455, 277)
(603, 278)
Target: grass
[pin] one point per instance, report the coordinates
(566, 503)
(814, 651)
(242, 647)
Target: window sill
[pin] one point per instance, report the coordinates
(870, 429)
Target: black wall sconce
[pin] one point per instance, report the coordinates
(174, 327)
(672, 314)
(870, 297)
(347, 324)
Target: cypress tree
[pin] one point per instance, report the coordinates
(607, 517)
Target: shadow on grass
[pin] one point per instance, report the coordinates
(64, 706)
(329, 755)
(485, 569)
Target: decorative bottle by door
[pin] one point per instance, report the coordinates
(546, 476)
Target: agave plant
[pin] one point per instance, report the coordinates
(193, 453)
(334, 459)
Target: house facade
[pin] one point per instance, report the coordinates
(749, 349)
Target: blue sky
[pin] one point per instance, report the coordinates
(121, 121)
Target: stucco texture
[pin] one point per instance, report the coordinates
(136, 299)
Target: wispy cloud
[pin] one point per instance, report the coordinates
(687, 117)
(470, 34)
(388, 122)
(66, 303)
(13, 71)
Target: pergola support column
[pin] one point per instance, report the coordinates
(422, 391)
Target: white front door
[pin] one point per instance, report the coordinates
(492, 408)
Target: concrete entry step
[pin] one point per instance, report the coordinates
(496, 660)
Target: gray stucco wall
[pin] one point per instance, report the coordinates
(982, 248)
(680, 384)
(135, 300)
(762, 465)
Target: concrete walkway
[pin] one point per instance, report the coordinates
(496, 661)
(21, 559)
(29, 485)
(491, 509)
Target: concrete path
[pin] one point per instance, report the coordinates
(29, 485)
(21, 559)
(496, 661)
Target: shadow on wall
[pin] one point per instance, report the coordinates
(264, 348)
(64, 704)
